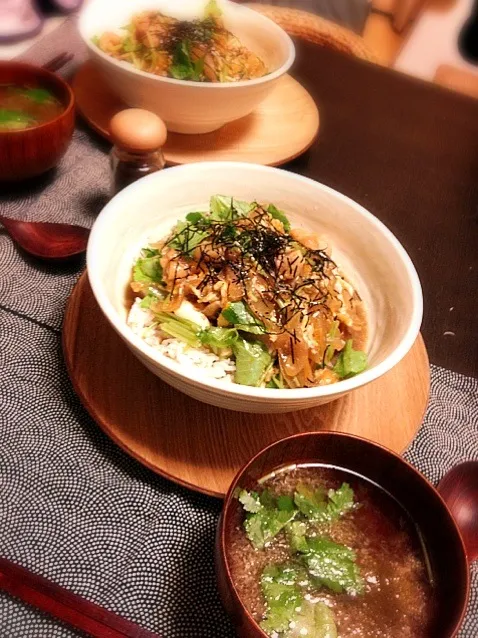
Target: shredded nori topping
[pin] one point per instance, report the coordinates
(253, 246)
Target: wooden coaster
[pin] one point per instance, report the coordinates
(282, 128)
(198, 445)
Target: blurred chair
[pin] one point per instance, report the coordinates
(348, 13)
(314, 28)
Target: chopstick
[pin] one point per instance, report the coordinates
(59, 61)
(82, 614)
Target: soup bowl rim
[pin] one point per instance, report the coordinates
(45, 73)
(222, 537)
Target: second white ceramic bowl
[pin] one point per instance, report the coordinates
(185, 106)
(372, 257)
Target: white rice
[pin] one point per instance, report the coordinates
(141, 321)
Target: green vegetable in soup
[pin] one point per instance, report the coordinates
(252, 362)
(13, 119)
(295, 533)
(288, 612)
(322, 506)
(315, 620)
(332, 565)
(265, 518)
(350, 362)
(38, 95)
(283, 597)
(317, 506)
(250, 501)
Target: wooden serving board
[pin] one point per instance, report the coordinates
(284, 125)
(198, 445)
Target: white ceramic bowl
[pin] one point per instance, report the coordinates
(372, 257)
(189, 107)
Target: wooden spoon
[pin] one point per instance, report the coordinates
(459, 489)
(46, 240)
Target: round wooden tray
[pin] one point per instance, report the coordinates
(198, 445)
(282, 128)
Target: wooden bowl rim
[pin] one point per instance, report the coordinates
(41, 72)
(417, 474)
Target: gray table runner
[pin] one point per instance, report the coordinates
(73, 506)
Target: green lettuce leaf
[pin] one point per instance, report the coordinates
(252, 361)
(187, 237)
(277, 382)
(148, 269)
(194, 218)
(239, 315)
(350, 362)
(151, 298)
(278, 214)
(224, 208)
(219, 337)
(212, 10)
(183, 67)
(178, 328)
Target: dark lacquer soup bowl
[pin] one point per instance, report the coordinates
(327, 534)
(30, 151)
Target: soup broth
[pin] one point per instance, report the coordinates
(347, 560)
(23, 107)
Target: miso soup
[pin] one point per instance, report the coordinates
(23, 107)
(324, 552)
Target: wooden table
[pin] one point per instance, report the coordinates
(407, 151)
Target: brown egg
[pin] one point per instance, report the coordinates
(138, 130)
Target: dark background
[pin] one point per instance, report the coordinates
(407, 151)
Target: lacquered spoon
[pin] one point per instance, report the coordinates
(47, 240)
(459, 489)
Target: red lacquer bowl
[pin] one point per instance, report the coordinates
(32, 151)
(426, 507)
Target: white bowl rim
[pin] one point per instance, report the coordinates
(341, 387)
(208, 85)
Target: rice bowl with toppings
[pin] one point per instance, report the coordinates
(236, 294)
(373, 262)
